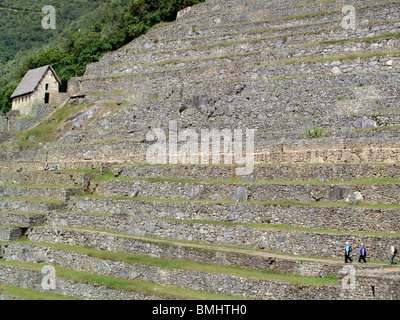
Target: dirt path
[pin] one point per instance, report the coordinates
(378, 267)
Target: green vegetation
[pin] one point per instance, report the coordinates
(28, 294)
(46, 131)
(86, 30)
(194, 266)
(282, 227)
(285, 203)
(32, 200)
(109, 176)
(315, 132)
(140, 286)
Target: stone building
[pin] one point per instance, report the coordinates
(39, 86)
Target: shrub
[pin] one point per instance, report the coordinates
(315, 132)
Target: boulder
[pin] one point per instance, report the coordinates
(261, 242)
(354, 198)
(241, 194)
(364, 122)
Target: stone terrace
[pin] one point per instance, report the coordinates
(278, 67)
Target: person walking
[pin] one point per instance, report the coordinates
(347, 252)
(363, 254)
(393, 252)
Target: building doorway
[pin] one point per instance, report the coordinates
(46, 98)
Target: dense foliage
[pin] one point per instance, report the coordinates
(86, 30)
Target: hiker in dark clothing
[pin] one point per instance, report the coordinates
(347, 251)
(363, 254)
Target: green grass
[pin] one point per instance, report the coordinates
(140, 286)
(197, 266)
(66, 170)
(197, 245)
(26, 117)
(46, 130)
(282, 227)
(28, 213)
(109, 176)
(284, 203)
(49, 186)
(28, 294)
(32, 200)
(351, 56)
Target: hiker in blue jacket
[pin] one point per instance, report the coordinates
(363, 254)
(347, 253)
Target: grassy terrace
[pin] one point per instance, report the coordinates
(282, 227)
(139, 286)
(27, 294)
(109, 176)
(50, 186)
(264, 226)
(287, 61)
(193, 266)
(28, 213)
(196, 245)
(45, 131)
(258, 164)
(228, 43)
(33, 200)
(265, 203)
(64, 170)
(283, 18)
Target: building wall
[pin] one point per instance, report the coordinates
(48, 85)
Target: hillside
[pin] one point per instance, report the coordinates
(22, 36)
(85, 30)
(144, 208)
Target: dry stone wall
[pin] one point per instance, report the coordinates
(386, 193)
(7, 234)
(290, 242)
(32, 279)
(22, 220)
(318, 217)
(323, 172)
(210, 282)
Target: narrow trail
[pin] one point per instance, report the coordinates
(377, 267)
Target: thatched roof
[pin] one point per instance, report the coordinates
(31, 80)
